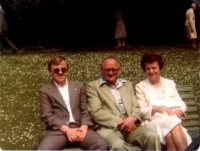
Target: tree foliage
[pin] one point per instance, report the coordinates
(18, 5)
(86, 22)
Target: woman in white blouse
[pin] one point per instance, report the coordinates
(161, 105)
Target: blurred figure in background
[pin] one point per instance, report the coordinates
(191, 34)
(120, 31)
(3, 30)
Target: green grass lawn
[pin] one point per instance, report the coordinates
(21, 76)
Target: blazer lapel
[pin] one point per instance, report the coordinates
(56, 94)
(124, 96)
(147, 90)
(167, 88)
(107, 91)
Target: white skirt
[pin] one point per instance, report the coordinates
(163, 124)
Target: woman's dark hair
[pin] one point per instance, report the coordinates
(150, 58)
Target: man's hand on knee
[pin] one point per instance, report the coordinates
(127, 124)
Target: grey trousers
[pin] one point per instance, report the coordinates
(92, 141)
(142, 138)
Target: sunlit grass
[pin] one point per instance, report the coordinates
(22, 75)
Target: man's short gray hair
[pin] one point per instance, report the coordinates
(110, 57)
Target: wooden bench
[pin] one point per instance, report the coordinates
(192, 120)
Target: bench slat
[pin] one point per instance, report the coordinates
(190, 123)
(193, 129)
(192, 109)
(181, 88)
(192, 116)
(187, 96)
(192, 102)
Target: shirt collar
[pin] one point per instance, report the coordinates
(119, 82)
(59, 85)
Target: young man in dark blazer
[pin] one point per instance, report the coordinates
(64, 111)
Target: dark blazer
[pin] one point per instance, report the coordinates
(54, 110)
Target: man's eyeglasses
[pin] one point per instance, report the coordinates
(57, 70)
(113, 70)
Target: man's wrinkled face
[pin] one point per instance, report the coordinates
(110, 70)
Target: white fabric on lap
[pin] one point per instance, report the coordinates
(169, 103)
(163, 124)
